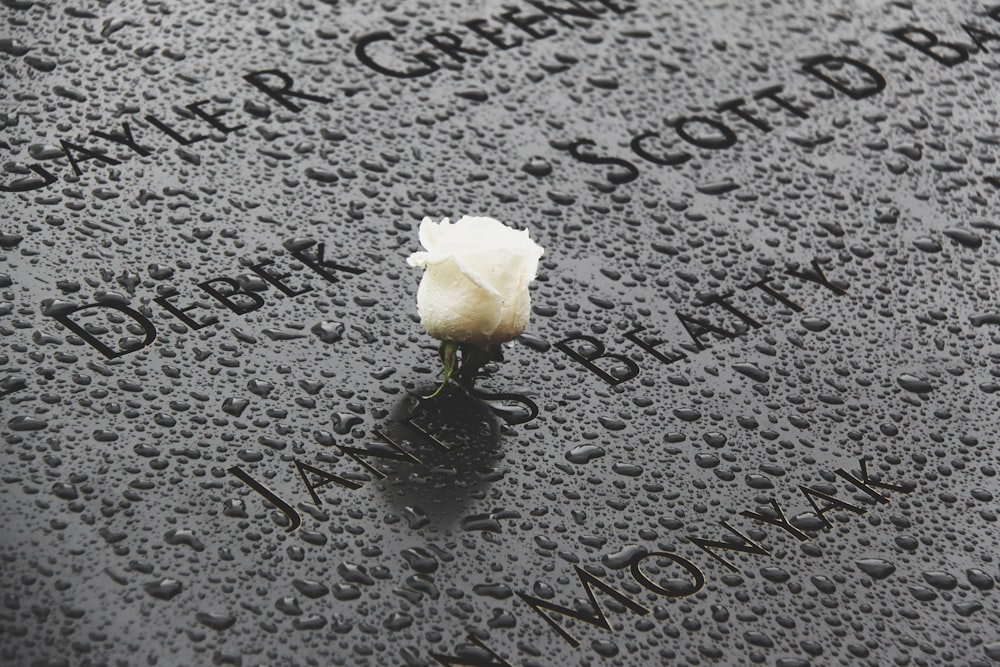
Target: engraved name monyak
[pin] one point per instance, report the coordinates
(822, 501)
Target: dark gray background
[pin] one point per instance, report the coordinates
(125, 540)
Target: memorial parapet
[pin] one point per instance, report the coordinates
(753, 418)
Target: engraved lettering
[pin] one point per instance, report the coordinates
(980, 36)
(614, 177)
(617, 9)
(745, 545)
(593, 615)
(720, 300)
(26, 184)
(512, 417)
(817, 276)
(778, 520)
(295, 520)
(491, 35)
(697, 576)
(259, 80)
(651, 347)
(276, 278)
(69, 148)
(324, 476)
(472, 658)
(240, 307)
(181, 313)
(450, 44)
(697, 327)
(667, 160)
(174, 134)
(574, 10)
(868, 485)
(526, 23)
(833, 503)
(765, 285)
(948, 54)
(422, 431)
(830, 69)
(772, 93)
(722, 139)
(320, 265)
(597, 351)
(361, 52)
(392, 451)
(212, 117)
(123, 138)
(736, 107)
(63, 317)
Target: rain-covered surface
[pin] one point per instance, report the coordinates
(818, 265)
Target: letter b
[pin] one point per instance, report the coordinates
(597, 351)
(948, 54)
(240, 307)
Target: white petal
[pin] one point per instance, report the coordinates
(475, 285)
(454, 307)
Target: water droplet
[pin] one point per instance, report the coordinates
(217, 622)
(752, 371)
(164, 589)
(964, 237)
(914, 384)
(624, 556)
(584, 454)
(328, 332)
(538, 167)
(876, 568)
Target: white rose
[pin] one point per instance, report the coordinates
(475, 285)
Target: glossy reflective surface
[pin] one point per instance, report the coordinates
(753, 419)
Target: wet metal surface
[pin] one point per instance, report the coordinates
(753, 419)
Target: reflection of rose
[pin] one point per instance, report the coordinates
(474, 290)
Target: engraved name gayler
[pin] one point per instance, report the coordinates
(201, 116)
(845, 74)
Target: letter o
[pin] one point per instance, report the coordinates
(726, 139)
(696, 575)
(668, 161)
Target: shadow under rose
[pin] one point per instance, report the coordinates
(454, 443)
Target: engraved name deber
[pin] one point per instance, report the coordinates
(225, 291)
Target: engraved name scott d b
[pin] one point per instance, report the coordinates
(722, 130)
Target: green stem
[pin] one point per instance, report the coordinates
(473, 358)
(448, 352)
